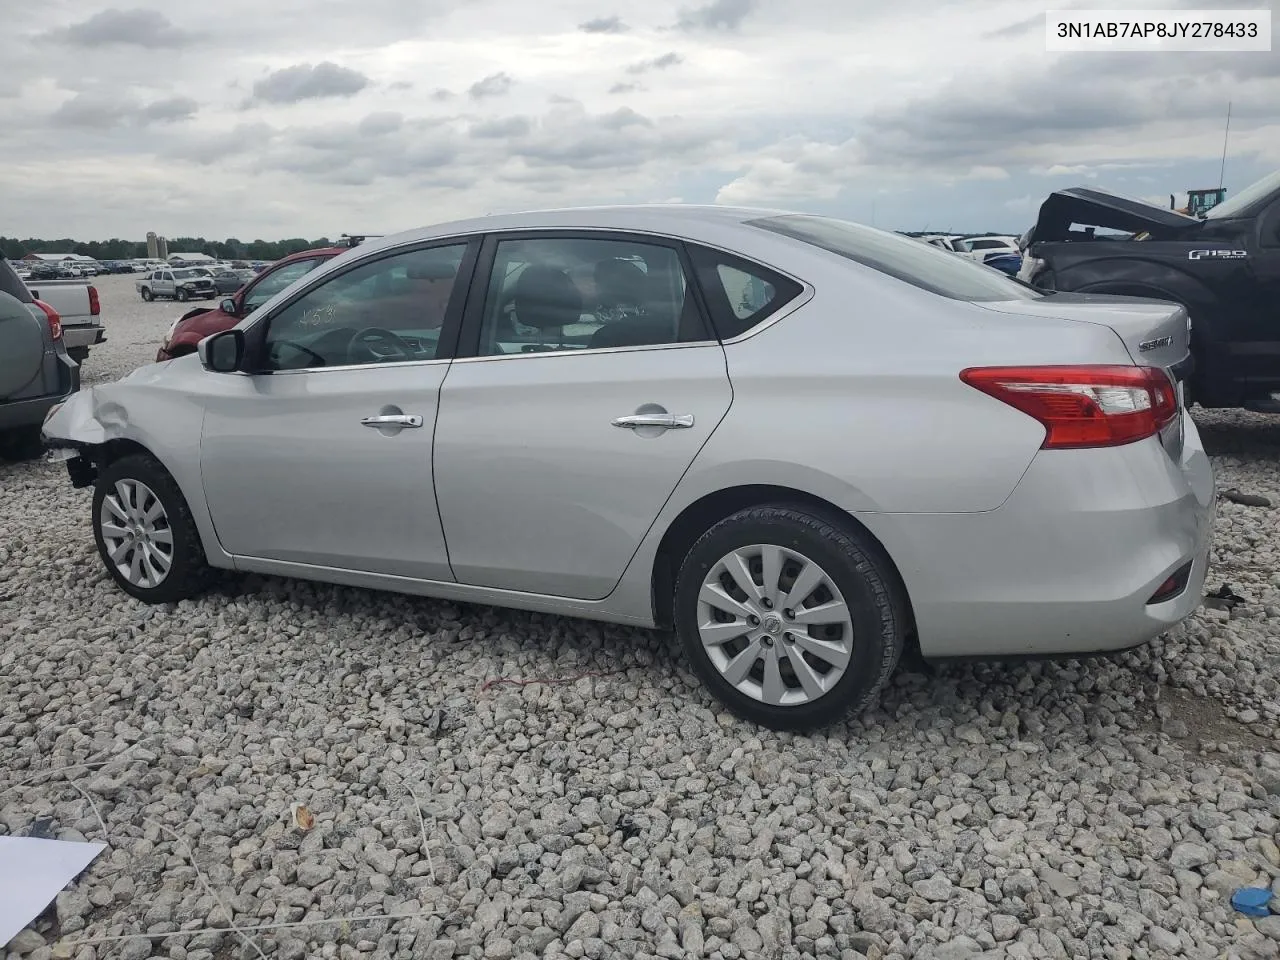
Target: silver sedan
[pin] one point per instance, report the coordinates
(804, 444)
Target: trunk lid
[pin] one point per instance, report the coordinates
(1156, 333)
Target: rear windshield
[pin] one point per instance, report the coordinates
(12, 284)
(919, 264)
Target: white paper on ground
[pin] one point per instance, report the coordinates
(32, 873)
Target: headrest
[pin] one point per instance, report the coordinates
(545, 297)
(620, 281)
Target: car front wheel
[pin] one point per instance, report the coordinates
(145, 533)
(182, 295)
(791, 620)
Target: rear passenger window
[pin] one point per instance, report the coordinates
(740, 294)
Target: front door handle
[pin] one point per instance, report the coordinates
(393, 420)
(666, 420)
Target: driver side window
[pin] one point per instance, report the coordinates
(274, 282)
(382, 311)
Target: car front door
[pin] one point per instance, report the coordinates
(592, 382)
(165, 285)
(322, 454)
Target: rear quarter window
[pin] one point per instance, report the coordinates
(12, 284)
(740, 294)
(902, 258)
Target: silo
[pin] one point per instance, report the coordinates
(152, 249)
(163, 244)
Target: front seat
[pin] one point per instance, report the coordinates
(545, 297)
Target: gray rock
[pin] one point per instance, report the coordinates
(443, 949)
(1004, 927)
(936, 889)
(1060, 883)
(1188, 856)
(1269, 926)
(312, 873)
(24, 941)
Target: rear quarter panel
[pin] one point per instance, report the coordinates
(862, 386)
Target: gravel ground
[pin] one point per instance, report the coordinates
(1100, 809)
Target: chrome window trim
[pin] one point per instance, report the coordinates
(347, 367)
(590, 351)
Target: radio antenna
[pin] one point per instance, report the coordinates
(1225, 133)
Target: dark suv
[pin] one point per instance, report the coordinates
(194, 326)
(35, 372)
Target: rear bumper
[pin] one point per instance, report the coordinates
(83, 336)
(31, 412)
(1067, 564)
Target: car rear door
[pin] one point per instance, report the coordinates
(588, 380)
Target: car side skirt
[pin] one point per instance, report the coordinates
(441, 590)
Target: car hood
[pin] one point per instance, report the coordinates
(1101, 208)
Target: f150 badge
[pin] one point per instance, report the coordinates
(1217, 255)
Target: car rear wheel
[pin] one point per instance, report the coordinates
(790, 620)
(147, 295)
(145, 534)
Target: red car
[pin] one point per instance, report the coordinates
(194, 326)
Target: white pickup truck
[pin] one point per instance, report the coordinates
(77, 304)
(180, 283)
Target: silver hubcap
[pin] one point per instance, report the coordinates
(775, 625)
(136, 532)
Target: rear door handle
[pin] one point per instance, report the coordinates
(393, 420)
(667, 420)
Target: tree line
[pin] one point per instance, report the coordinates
(11, 248)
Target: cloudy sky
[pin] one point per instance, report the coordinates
(313, 117)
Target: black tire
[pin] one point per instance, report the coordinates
(21, 443)
(189, 572)
(147, 295)
(182, 295)
(79, 354)
(854, 565)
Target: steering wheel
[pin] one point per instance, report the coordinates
(377, 345)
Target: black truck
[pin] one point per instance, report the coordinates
(1224, 268)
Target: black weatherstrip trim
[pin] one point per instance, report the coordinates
(468, 343)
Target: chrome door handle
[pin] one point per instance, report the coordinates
(393, 420)
(667, 420)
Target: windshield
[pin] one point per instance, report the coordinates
(190, 274)
(919, 264)
(1251, 194)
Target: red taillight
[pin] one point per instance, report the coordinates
(95, 307)
(55, 321)
(1084, 406)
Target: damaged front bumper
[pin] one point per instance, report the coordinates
(72, 434)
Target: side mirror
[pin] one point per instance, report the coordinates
(228, 306)
(222, 352)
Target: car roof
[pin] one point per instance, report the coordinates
(673, 219)
(303, 254)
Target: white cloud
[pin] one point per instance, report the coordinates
(394, 114)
